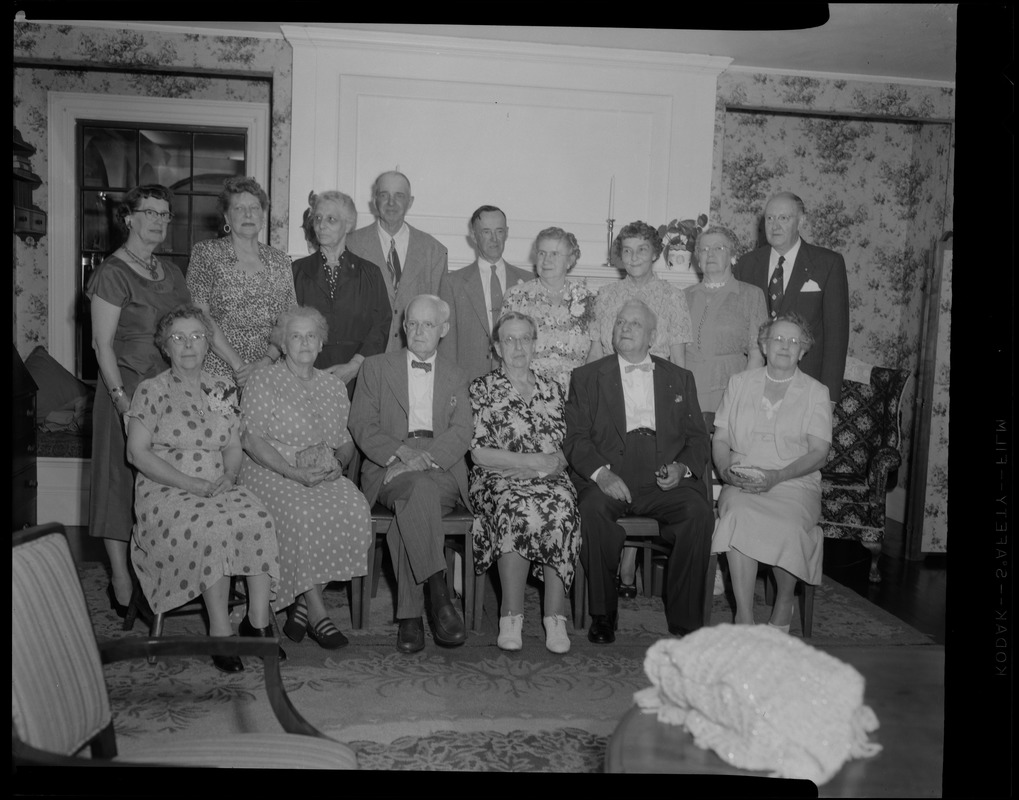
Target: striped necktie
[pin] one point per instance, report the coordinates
(776, 289)
(393, 263)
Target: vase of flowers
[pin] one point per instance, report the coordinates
(678, 239)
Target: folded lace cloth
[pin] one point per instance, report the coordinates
(761, 699)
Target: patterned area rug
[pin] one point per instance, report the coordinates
(470, 708)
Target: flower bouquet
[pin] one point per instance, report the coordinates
(678, 239)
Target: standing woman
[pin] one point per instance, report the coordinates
(130, 292)
(726, 316)
(562, 309)
(241, 284)
(346, 289)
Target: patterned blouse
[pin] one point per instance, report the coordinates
(665, 299)
(245, 305)
(565, 327)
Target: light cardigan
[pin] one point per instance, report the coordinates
(805, 409)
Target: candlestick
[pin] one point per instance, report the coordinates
(608, 249)
(612, 198)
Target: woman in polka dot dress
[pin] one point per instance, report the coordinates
(194, 527)
(296, 442)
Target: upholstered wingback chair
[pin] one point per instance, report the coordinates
(866, 442)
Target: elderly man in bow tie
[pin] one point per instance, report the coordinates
(636, 443)
(411, 417)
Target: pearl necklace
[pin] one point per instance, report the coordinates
(718, 285)
(779, 380)
(554, 294)
(151, 266)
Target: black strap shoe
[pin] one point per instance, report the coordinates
(247, 629)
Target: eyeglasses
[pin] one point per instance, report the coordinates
(194, 338)
(550, 255)
(783, 219)
(792, 340)
(152, 215)
(718, 248)
(513, 341)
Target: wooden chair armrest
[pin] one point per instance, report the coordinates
(111, 650)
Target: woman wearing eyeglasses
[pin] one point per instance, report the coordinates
(526, 504)
(240, 283)
(297, 444)
(348, 290)
(726, 315)
(562, 309)
(196, 527)
(772, 435)
(129, 292)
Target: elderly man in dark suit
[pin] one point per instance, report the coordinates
(411, 261)
(475, 294)
(411, 417)
(636, 443)
(807, 279)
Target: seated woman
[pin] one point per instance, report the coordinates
(295, 436)
(195, 528)
(772, 434)
(526, 504)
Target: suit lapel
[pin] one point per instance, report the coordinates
(476, 294)
(801, 269)
(441, 391)
(396, 377)
(665, 397)
(612, 392)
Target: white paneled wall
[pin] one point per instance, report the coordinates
(538, 130)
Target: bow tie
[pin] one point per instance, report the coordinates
(421, 365)
(647, 366)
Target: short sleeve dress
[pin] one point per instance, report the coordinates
(565, 326)
(245, 305)
(665, 299)
(779, 527)
(142, 303)
(534, 517)
(183, 543)
(725, 324)
(324, 531)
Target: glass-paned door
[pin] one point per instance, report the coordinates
(115, 157)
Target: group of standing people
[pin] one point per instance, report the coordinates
(573, 408)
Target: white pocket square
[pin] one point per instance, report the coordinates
(810, 286)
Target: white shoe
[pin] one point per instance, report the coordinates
(719, 583)
(509, 632)
(556, 638)
(783, 628)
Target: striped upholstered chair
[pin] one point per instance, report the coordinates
(60, 704)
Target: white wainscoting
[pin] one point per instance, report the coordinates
(538, 130)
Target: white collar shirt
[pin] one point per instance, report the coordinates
(485, 270)
(420, 384)
(638, 394)
(402, 239)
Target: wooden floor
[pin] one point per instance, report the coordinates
(913, 591)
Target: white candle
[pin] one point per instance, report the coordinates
(612, 192)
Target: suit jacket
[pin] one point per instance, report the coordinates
(596, 419)
(379, 414)
(826, 311)
(469, 341)
(426, 264)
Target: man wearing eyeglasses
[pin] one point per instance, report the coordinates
(411, 261)
(806, 279)
(475, 294)
(411, 417)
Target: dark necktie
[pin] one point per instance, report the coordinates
(496, 289)
(647, 366)
(421, 365)
(393, 262)
(775, 288)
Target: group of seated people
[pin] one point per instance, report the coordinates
(262, 449)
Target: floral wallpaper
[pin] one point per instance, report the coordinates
(935, 517)
(873, 164)
(61, 58)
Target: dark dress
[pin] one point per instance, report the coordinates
(142, 302)
(355, 306)
(534, 517)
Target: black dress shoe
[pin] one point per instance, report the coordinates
(678, 631)
(627, 591)
(118, 608)
(410, 637)
(247, 629)
(228, 663)
(602, 630)
(449, 629)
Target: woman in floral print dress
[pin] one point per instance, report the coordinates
(241, 284)
(562, 309)
(526, 505)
